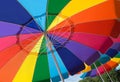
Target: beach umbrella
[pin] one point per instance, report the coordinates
(101, 67)
(46, 40)
(98, 68)
(105, 62)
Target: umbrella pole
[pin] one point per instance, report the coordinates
(49, 45)
(99, 73)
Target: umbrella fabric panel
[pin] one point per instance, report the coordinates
(87, 68)
(117, 3)
(52, 67)
(116, 39)
(102, 70)
(79, 49)
(12, 7)
(93, 73)
(60, 4)
(116, 31)
(97, 63)
(37, 9)
(116, 46)
(11, 68)
(14, 29)
(41, 71)
(7, 41)
(107, 28)
(26, 71)
(107, 67)
(117, 60)
(104, 58)
(111, 52)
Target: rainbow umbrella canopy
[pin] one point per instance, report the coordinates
(48, 40)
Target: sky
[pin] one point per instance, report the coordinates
(74, 78)
(118, 67)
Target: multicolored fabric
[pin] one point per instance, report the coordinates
(75, 32)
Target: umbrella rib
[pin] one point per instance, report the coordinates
(39, 23)
(49, 45)
(107, 73)
(27, 22)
